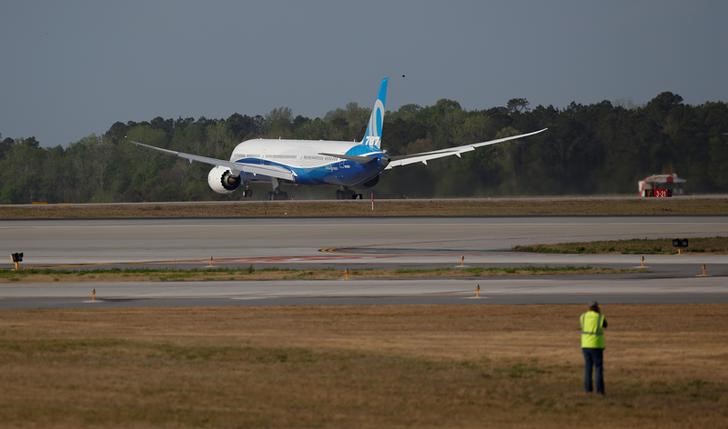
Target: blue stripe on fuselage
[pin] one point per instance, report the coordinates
(344, 172)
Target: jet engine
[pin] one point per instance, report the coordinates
(222, 181)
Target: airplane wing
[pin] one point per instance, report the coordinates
(235, 167)
(423, 157)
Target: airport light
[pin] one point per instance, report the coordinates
(17, 259)
(680, 244)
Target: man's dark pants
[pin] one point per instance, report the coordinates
(593, 358)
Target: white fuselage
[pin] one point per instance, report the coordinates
(308, 161)
(292, 153)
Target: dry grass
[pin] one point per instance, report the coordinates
(546, 206)
(661, 246)
(50, 275)
(379, 366)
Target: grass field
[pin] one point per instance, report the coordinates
(36, 275)
(544, 206)
(663, 246)
(370, 366)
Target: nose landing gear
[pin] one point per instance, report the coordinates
(277, 195)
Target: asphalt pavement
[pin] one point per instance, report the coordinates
(346, 242)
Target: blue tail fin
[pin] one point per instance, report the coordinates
(373, 135)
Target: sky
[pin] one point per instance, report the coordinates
(72, 68)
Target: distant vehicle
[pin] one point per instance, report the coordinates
(660, 186)
(317, 162)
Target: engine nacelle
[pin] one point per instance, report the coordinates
(222, 181)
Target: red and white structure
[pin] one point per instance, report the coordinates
(660, 186)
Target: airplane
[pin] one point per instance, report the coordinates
(317, 162)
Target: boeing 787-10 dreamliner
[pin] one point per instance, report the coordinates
(317, 162)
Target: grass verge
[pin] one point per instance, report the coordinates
(38, 275)
(535, 206)
(661, 246)
(371, 366)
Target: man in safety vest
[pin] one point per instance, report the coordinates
(593, 323)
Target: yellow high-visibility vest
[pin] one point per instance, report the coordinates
(592, 330)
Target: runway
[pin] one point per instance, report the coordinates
(441, 291)
(361, 242)
(342, 240)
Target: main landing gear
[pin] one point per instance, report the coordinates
(347, 194)
(277, 193)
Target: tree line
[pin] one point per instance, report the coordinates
(600, 148)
